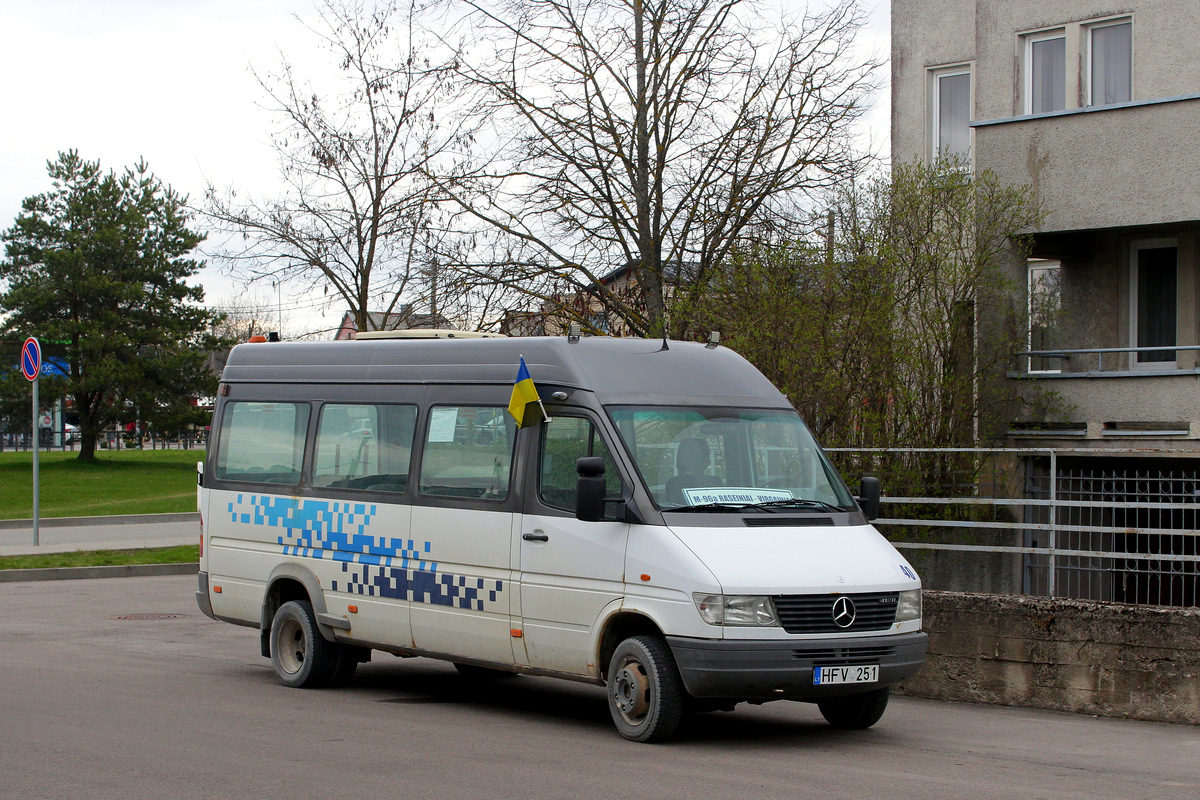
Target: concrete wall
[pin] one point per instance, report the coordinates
(1110, 660)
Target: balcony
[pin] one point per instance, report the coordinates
(1098, 167)
(1112, 393)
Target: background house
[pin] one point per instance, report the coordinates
(404, 319)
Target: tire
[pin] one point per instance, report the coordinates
(645, 692)
(299, 653)
(348, 658)
(855, 712)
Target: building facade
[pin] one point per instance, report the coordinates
(1095, 106)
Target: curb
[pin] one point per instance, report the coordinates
(116, 519)
(83, 573)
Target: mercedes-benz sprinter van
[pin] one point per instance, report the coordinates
(660, 522)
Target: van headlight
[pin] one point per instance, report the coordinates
(908, 606)
(736, 609)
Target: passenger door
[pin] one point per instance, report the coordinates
(462, 521)
(569, 570)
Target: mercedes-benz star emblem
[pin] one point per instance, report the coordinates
(843, 612)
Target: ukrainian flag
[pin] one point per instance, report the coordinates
(523, 392)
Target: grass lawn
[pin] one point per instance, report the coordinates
(184, 554)
(119, 482)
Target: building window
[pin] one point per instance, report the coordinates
(1111, 60)
(1153, 280)
(1046, 73)
(1045, 304)
(952, 113)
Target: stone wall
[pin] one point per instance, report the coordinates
(1110, 660)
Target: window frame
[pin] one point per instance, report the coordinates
(936, 74)
(1031, 265)
(1091, 28)
(1030, 39)
(1135, 247)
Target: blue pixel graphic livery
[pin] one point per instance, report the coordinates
(375, 566)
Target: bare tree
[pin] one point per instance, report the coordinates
(896, 327)
(355, 215)
(648, 135)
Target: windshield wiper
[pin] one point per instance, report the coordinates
(797, 502)
(722, 507)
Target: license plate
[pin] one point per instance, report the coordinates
(830, 675)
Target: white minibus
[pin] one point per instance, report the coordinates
(661, 522)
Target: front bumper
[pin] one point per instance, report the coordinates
(781, 670)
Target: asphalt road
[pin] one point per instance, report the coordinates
(169, 704)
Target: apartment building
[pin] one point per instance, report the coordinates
(1096, 106)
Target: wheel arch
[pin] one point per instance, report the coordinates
(616, 628)
(291, 582)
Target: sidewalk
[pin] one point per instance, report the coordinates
(68, 534)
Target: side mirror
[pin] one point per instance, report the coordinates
(589, 492)
(868, 499)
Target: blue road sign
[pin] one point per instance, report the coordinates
(31, 358)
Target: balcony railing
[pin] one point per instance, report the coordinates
(1093, 363)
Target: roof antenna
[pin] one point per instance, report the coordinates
(665, 346)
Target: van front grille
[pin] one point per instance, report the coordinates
(815, 613)
(845, 656)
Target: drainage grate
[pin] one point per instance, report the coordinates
(147, 617)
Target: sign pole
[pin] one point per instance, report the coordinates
(37, 442)
(31, 368)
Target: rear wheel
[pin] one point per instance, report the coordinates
(299, 653)
(855, 711)
(645, 692)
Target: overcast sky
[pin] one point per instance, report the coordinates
(169, 81)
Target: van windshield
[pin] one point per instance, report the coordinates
(717, 459)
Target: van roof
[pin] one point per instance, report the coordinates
(617, 370)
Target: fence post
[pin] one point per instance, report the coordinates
(1050, 580)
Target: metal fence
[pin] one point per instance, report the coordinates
(1112, 525)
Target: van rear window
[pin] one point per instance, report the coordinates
(262, 442)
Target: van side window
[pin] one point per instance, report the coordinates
(262, 442)
(468, 452)
(564, 441)
(364, 446)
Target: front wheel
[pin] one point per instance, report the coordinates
(855, 711)
(299, 653)
(645, 692)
